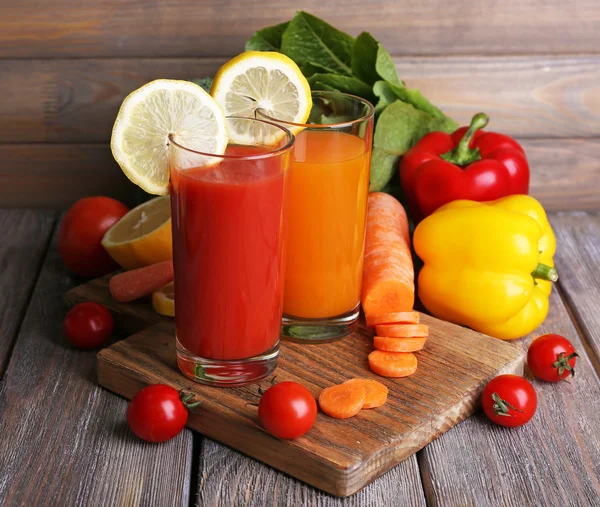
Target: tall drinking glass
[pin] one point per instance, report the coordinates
(228, 251)
(329, 183)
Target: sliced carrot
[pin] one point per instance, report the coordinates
(394, 318)
(376, 392)
(137, 283)
(342, 401)
(388, 272)
(391, 344)
(402, 330)
(392, 364)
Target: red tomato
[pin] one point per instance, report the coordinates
(157, 413)
(81, 233)
(509, 400)
(287, 410)
(552, 358)
(88, 325)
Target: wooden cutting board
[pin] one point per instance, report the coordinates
(337, 456)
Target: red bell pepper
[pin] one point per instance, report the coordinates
(469, 164)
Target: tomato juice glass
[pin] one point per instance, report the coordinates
(229, 232)
(327, 200)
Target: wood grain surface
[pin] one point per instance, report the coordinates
(24, 240)
(55, 176)
(565, 174)
(339, 457)
(76, 101)
(553, 460)
(578, 261)
(227, 477)
(220, 27)
(65, 440)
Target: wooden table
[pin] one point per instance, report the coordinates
(64, 441)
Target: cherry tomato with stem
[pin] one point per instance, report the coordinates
(509, 400)
(159, 412)
(287, 410)
(88, 325)
(81, 233)
(551, 357)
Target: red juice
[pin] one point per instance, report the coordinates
(228, 242)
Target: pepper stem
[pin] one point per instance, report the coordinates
(545, 272)
(463, 154)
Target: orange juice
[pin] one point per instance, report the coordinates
(326, 223)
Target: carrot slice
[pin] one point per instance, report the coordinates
(394, 318)
(388, 272)
(376, 392)
(391, 344)
(402, 330)
(392, 364)
(342, 401)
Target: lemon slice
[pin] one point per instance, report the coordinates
(266, 80)
(143, 236)
(163, 300)
(140, 136)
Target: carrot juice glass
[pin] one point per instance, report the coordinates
(229, 233)
(329, 183)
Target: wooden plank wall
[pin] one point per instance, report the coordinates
(533, 65)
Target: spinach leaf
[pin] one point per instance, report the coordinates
(344, 84)
(364, 56)
(267, 39)
(383, 165)
(386, 68)
(384, 92)
(310, 39)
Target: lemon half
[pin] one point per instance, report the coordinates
(163, 300)
(140, 136)
(260, 79)
(143, 236)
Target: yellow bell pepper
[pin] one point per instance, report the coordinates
(488, 265)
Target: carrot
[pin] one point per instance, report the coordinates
(392, 364)
(137, 283)
(402, 330)
(376, 392)
(342, 401)
(394, 318)
(388, 274)
(391, 344)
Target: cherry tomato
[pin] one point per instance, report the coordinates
(88, 325)
(552, 358)
(287, 410)
(81, 233)
(157, 413)
(509, 400)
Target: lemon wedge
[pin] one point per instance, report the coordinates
(163, 300)
(140, 136)
(263, 80)
(143, 236)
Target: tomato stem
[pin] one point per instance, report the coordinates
(185, 399)
(463, 154)
(562, 364)
(501, 406)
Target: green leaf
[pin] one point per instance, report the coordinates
(384, 92)
(310, 39)
(386, 68)
(399, 127)
(267, 39)
(310, 68)
(204, 82)
(364, 56)
(383, 166)
(344, 84)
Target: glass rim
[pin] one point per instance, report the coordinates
(271, 153)
(370, 113)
